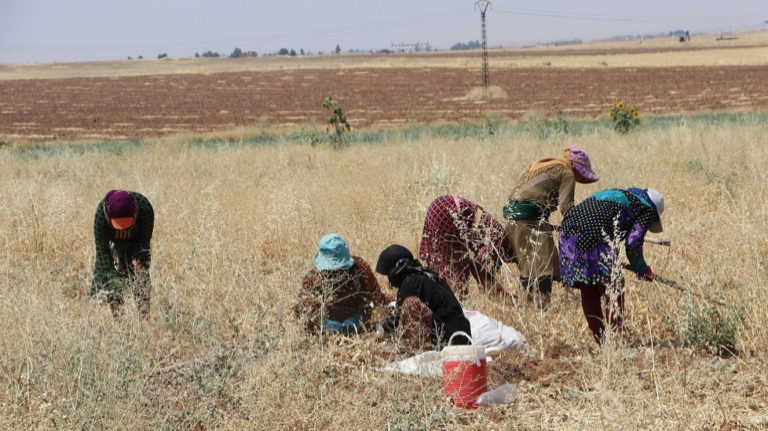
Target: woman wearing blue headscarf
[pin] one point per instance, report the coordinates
(589, 255)
(340, 292)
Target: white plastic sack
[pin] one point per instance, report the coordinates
(492, 334)
(486, 332)
(425, 364)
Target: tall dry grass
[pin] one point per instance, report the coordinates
(236, 229)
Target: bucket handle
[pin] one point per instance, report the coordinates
(474, 347)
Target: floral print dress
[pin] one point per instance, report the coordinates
(591, 230)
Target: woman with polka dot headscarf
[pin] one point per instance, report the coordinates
(589, 249)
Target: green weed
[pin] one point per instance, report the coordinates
(709, 328)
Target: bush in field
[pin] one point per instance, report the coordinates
(236, 53)
(490, 122)
(538, 123)
(624, 119)
(709, 328)
(337, 121)
(560, 124)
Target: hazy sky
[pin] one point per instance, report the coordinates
(70, 30)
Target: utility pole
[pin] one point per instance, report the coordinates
(482, 6)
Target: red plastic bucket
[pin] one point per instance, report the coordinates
(464, 372)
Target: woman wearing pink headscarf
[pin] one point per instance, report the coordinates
(546, 185)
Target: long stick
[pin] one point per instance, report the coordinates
(674, 284)
(659, 241)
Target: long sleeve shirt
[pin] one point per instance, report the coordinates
(587, 254)
(446, 310)
(550, 190)
(343, 292)
(135, 241)
(459, 234)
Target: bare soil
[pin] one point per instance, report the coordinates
(158, 105)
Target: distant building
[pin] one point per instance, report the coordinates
(412, 47)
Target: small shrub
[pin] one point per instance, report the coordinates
(337, 121)
(490, 125)
(624, 119)
(560, 124)
(707, 327)
(537, 123)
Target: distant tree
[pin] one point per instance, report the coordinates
(301, 51)
(197, 55)
(141, 57)
(130, 58)
(237, 53)
(210, 53)
(161, 56)
(460, 46)
(293, 53)
(338, 49)
(283, 51)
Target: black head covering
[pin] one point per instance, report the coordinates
(396, 262)
(389, 257)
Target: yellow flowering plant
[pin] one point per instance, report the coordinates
(489, 125)
(624, 119)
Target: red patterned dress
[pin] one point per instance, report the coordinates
(460, 238)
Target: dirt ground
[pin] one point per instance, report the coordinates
(159, 105)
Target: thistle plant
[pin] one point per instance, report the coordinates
(624, 119)
(337, 120)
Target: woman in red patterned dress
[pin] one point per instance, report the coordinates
(461, 239)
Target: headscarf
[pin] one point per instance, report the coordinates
(544, 165)
(397, 262)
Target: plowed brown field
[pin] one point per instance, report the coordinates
(156, 105)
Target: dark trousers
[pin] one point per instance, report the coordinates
(136, 278)
(591, 304)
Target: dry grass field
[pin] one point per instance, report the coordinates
(236, 228)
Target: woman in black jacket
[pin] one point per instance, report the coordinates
(421, 293)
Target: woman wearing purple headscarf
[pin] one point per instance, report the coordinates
(122, 228)
(545, 186)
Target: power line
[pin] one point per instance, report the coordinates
(580, 16)
(250, 39)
